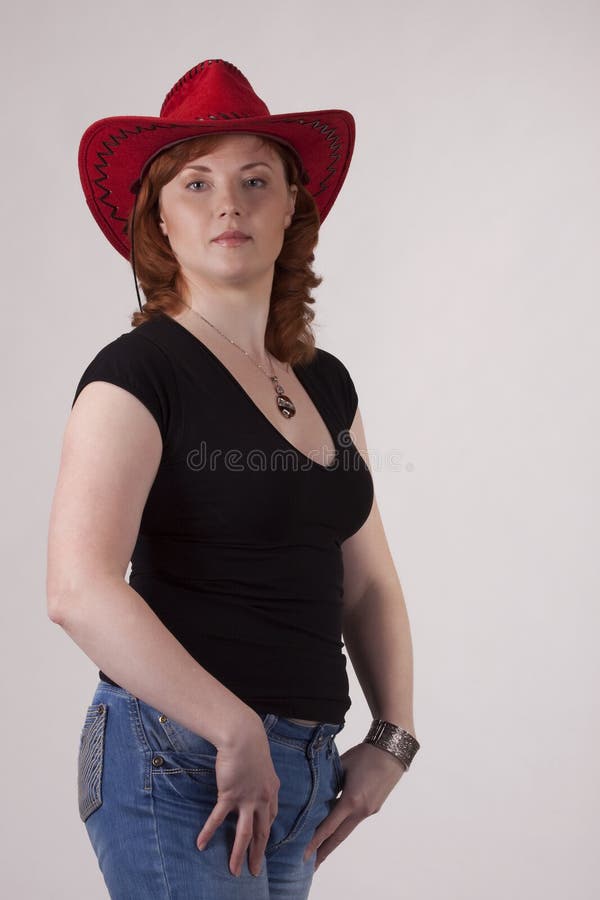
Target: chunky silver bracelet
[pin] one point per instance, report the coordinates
(400, 743)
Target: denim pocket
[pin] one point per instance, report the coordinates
(164, 735)
(191, 777)
(338, 768)
(90, 760)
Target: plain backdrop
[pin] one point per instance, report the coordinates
(461, 277)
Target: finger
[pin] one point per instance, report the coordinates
(243, 836)
(217, 817)
(326, 827)
(260, 836)
(332, 841)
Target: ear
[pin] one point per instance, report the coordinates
(292, 206)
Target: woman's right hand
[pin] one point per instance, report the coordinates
(246, 781)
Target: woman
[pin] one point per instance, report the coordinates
(222, 453)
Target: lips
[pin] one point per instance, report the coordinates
(232, 236)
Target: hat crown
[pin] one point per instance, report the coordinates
(212, 89)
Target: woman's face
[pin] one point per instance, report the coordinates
(241, 186)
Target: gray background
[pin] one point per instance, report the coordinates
(461, 290)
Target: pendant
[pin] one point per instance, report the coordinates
(284, 404)
(286, 407)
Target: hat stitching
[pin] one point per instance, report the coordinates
(332, 137)
(117, 140)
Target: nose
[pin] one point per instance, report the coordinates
(228, 210)
(228, 203)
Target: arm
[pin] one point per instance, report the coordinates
(376, 629)
(111, 453)
(376, 632)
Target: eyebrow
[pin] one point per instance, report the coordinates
(251, 165)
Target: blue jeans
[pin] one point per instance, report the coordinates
(146, 786)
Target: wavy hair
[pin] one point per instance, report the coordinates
(289, 336)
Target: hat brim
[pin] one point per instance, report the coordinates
(114, 153)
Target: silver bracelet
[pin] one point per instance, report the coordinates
(395, 740)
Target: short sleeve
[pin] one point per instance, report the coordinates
(143, 369)
(350, 395)
(341, 386)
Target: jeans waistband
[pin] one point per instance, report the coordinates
(306, 737)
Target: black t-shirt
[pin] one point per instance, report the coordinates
(239, 546)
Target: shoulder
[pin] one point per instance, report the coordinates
(331, 363)
(334, 373)
(137, 362)
(136, 353)
(143, 342)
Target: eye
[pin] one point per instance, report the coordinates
(248, 181)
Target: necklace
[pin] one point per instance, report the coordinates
(284, 404)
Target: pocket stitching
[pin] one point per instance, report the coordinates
(90, 765)
(339, 769)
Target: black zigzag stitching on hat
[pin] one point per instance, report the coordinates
(334, 141)
(104, 161)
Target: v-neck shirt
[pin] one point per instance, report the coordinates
(239, 546)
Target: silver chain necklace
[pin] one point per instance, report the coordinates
(284, 404)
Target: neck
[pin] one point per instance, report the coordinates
(240, 314)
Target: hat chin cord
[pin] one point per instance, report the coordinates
(137, 290)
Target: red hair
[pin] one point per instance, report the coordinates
(289, 336)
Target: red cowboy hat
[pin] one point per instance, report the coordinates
(212, 98)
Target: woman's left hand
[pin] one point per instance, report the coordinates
(370, 774)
